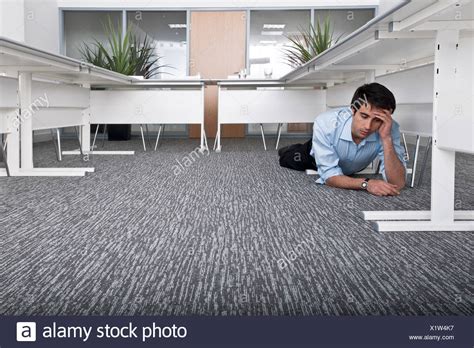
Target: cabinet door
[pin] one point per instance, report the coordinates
(217, 49)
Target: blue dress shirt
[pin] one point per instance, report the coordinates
(336, 153)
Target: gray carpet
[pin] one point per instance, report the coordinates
(232, 234)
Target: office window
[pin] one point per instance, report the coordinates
(168, 30)
(268, 35)
(344, 22)
(85, 26)
(269, 30)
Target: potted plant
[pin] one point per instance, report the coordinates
(131, 55)
(309, 43)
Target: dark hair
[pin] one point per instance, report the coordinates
(374, 94)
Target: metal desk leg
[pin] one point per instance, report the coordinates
(95, 137)
(57, 147)
(202, 137)
(218, 138)
(143, 138)
(263, 137)
(205, 140)
(78, 136)
(158, 136)
(278, 136)
(415, 160)
(26, 124)
(406, 147)
(215, 141)
(103, 138)
(147, 135)
(425, 159)
(4, 154)
(58, 135)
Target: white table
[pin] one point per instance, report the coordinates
(65, 83)
(151, 102)
(415, 34)
(266, 101)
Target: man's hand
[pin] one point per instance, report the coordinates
(382, 188)
(385, 130)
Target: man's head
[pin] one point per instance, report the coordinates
(368, 100)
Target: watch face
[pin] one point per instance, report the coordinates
(364, 185)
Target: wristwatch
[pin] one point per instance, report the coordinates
(365, 184)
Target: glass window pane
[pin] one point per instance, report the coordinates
(344, 22)
(85, 26)
(269, 30)
(168, 30)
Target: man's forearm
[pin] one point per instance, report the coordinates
(346, 182)
(394, 169)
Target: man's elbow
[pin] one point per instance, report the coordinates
(333, 181)
(401, 186)
(330, 182)
(400, 183)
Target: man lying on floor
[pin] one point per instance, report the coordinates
(347, 140)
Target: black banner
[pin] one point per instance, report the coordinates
(328, 332)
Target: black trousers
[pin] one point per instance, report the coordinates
(297, 157)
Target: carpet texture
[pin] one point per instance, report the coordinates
(175, 232)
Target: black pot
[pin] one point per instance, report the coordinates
(94, 127)
(119, 132)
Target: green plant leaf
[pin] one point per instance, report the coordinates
(130, 55)
(309, 43)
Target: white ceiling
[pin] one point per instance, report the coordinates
(217, 3)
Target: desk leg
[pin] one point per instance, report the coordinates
(158, 136)
(57, 144)
(26, 120)
(406, 147)
(415, 161)
(215, 141)
(147, 135)
(218, 138)
(95, 136)
(104, 135)
(204, 146)
(263, 137)
(79, 138)
(278, 135)
(442, 215)
(143, 137)
(202, 137)
(4, 154)
(205, 141)
(425, 158)
(13, 147)
(85, 131)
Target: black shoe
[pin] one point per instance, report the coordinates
(282, 150)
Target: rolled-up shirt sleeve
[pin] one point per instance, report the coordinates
(324, 154)
(399, 149)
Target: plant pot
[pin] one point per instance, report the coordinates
(119, 132)
(94, 127)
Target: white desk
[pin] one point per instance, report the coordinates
(64, 82)
(417, 34)
(8, 106)
(266, 101)
(151, 102)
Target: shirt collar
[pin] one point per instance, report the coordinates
(347, 130)
(347, 133)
